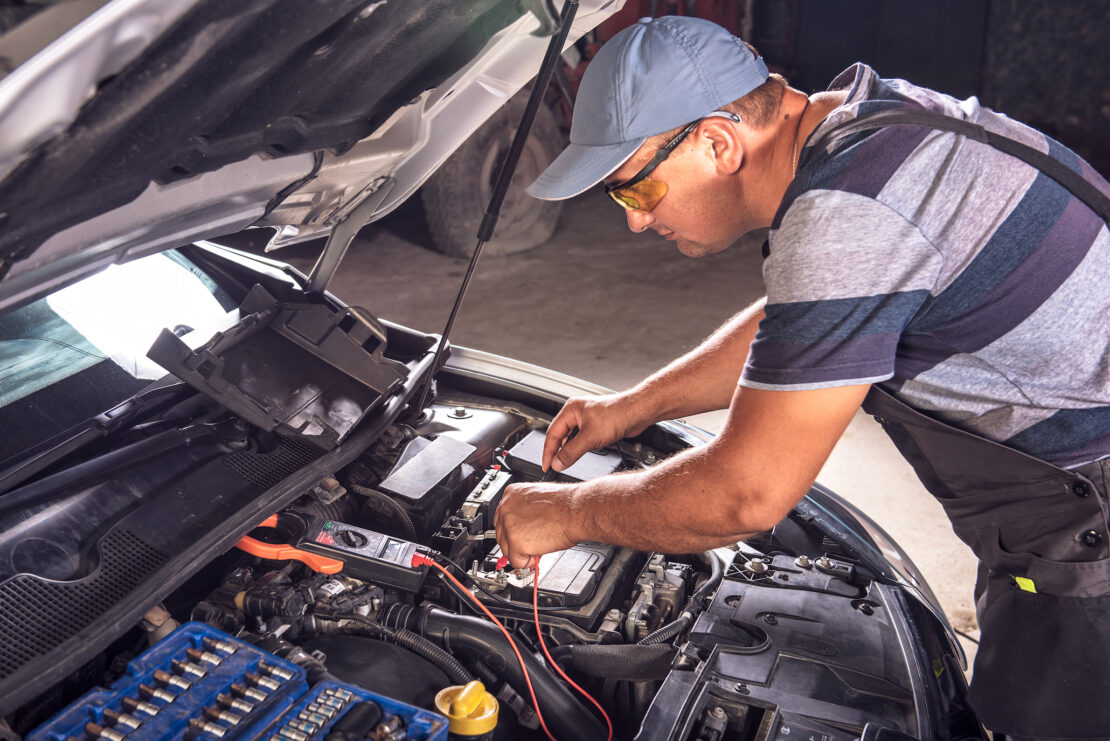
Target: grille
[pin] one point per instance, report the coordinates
(266, 469)
(37, 615)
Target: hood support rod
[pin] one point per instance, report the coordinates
(508, 167)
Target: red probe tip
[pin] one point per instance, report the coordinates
(501, 562)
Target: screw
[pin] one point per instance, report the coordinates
(803, 562)
(770, 620)
(824, 562)
(756, 566)
(743, 689)
(865, 608)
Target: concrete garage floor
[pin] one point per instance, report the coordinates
(603, 304)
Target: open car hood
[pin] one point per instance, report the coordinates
(149, 124)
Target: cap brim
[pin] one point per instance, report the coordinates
(579, 168)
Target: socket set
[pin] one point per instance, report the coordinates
(340, 712)
(204, 685)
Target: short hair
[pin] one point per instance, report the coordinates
(760, 107)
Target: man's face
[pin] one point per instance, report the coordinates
(701, 211)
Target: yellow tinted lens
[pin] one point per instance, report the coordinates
(641, 196)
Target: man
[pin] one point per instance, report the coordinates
(919, 269)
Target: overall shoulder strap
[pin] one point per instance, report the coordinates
(1062, 174)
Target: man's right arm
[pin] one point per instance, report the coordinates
(702, 380)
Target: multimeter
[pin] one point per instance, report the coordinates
(372, 556)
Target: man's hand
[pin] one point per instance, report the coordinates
(534, 519)
(600, 421)
(742, 482)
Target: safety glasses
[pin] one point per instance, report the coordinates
(641, 193)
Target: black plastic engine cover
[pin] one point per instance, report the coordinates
(792, 662)
(430, 480)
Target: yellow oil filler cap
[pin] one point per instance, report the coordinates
(470, 709)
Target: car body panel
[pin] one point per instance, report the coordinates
(302, 137)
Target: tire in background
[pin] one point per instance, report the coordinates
(455, 197)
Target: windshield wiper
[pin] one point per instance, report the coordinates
(120, 417)
(56, 485)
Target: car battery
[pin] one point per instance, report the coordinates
(527, 455)
(200, 683)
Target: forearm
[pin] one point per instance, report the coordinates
(743, 482)
(704, 379)
(689, 503)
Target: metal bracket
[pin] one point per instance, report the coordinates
(343, 233)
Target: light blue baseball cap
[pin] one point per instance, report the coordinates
(654, 76)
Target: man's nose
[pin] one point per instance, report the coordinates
(638, 221)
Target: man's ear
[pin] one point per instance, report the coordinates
(725, 145)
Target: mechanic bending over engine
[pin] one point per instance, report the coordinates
(959, 293)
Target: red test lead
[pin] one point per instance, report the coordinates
(551, 661)
(418, 559)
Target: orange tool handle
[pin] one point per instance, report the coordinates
(286, 552)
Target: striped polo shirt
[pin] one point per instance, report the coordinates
(966, 282)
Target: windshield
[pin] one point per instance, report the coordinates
(81, 350)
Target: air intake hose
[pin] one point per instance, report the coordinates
(632, 663)
(482, 640)
(418, 644)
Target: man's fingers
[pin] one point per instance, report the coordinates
(557, 433)
(521, 561)
(572, 450)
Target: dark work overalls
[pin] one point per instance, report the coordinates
(1043, 591)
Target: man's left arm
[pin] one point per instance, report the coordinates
(743, 482)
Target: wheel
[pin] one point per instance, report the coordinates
(455, 198)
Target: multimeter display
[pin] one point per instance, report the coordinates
(365, 554)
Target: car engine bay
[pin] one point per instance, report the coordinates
(787, 633)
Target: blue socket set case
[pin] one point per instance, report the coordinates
(200, 683)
